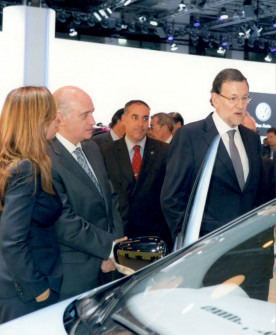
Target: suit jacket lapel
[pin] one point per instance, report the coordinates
(72, 166)
(210, 132)
(124, 160)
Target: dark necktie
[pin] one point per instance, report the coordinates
(82, 161)
(235, 157)
(136, 161)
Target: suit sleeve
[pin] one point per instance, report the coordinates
(177, 183)
(19, 201)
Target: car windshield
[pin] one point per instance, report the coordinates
(223, 283)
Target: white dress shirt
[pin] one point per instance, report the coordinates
(71, 148)
(130, 146)
(223, 128)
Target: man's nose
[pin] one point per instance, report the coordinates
(91, 119)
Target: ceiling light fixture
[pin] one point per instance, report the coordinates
(105, 24)
(221, 51)
(170, 38)
(97, 16)
(127, 2)
(196, 23)
(181, 6)
(73, 32)
(153, 22)
(142, 19)
(90, 21)
(222, 15)
(268, 57)
(174, 47)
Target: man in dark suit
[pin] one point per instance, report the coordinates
(139, 190)
(117, 130)
(89, 222)
(231, 192)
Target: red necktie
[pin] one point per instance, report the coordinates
(136, 161)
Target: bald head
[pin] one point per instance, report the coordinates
(75, 108)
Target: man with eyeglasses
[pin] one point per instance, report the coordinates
(161, 127)
(236, 175)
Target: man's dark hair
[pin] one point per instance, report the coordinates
(177, 117)
(164, 119)
(132, 102)
(117, 116)
(271, 130)
(227, 75)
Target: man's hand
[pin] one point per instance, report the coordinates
(43, 296)
(120, 239)
(108, 265)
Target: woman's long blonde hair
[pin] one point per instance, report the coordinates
(26, 116)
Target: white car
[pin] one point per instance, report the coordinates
(223, 283)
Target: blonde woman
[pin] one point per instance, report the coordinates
(30, 265)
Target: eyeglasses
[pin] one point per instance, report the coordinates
(155, 126)
(234, 100)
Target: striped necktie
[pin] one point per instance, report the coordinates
(83, 163)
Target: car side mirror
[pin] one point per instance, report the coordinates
(136, 253)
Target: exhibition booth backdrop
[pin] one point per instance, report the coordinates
(113, 75)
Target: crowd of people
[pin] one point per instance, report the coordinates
(67, 197)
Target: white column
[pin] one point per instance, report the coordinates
(27, 33)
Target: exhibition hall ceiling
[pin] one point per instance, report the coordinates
(204, 26)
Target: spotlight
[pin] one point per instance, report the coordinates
(103, 13)
(76, 18)
(240, 41)
(206, 37)
(221, 51)
(73, 32)
(97, 16)
(132, 27)
(170, 38)
(105, 24)
(222, 15)
(145, 29)
(61, 16)
(127, 2)
(274, 23)
(90, 21)
(251, 43)
(268, 57)
(154, 23)
(261, 44)
(118, 25)
(142, 19)
(174, 47)
(181, 6)
(196, 23)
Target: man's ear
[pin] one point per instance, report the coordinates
(214, 99)
(123, 118)
(60, 118)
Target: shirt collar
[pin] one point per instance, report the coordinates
(130, 144)
(221, 126)
(68, 145)
(114, 136)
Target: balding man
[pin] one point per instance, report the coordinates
(89, 222)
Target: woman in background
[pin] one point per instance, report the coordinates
(30, 264)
